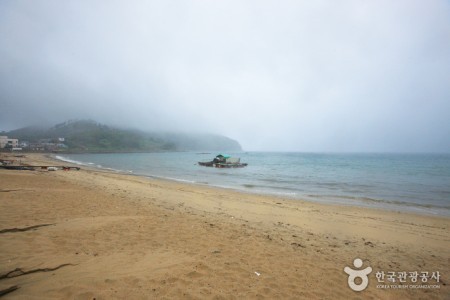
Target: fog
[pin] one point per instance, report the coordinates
(274, 75)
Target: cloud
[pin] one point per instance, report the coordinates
(290, 75)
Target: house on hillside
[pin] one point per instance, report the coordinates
(36, 147)
(5, 142)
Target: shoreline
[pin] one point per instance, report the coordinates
(361, 202)
(129, 236)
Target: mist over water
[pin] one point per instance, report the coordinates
(410, 182)
(307, 76)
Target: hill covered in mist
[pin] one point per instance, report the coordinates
(90, 136)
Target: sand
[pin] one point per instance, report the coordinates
(130, 237)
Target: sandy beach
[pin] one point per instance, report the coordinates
(106, 235)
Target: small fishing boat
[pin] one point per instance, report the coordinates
(223, 161)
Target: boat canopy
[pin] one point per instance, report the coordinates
(223, 155)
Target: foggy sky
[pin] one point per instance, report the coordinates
(275, 75)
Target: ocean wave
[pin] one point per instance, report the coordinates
(170, 178)
(58, 157)
(380, 201)
(98, 166)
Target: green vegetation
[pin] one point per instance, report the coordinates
(90, 136)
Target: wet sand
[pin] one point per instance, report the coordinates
(124, 236)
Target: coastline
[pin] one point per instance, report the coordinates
(349, 200)
(130, 236)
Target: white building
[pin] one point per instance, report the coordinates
(9, 143)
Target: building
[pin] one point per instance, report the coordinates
(5, 142)
(36, 147)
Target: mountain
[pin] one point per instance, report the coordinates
(90, 136)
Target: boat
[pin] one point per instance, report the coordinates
(223, 161)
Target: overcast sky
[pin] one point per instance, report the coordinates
(275, 75)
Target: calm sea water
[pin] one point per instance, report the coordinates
(412, 182)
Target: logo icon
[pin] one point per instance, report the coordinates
(353, 274)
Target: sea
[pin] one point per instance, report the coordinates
(417, 183)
